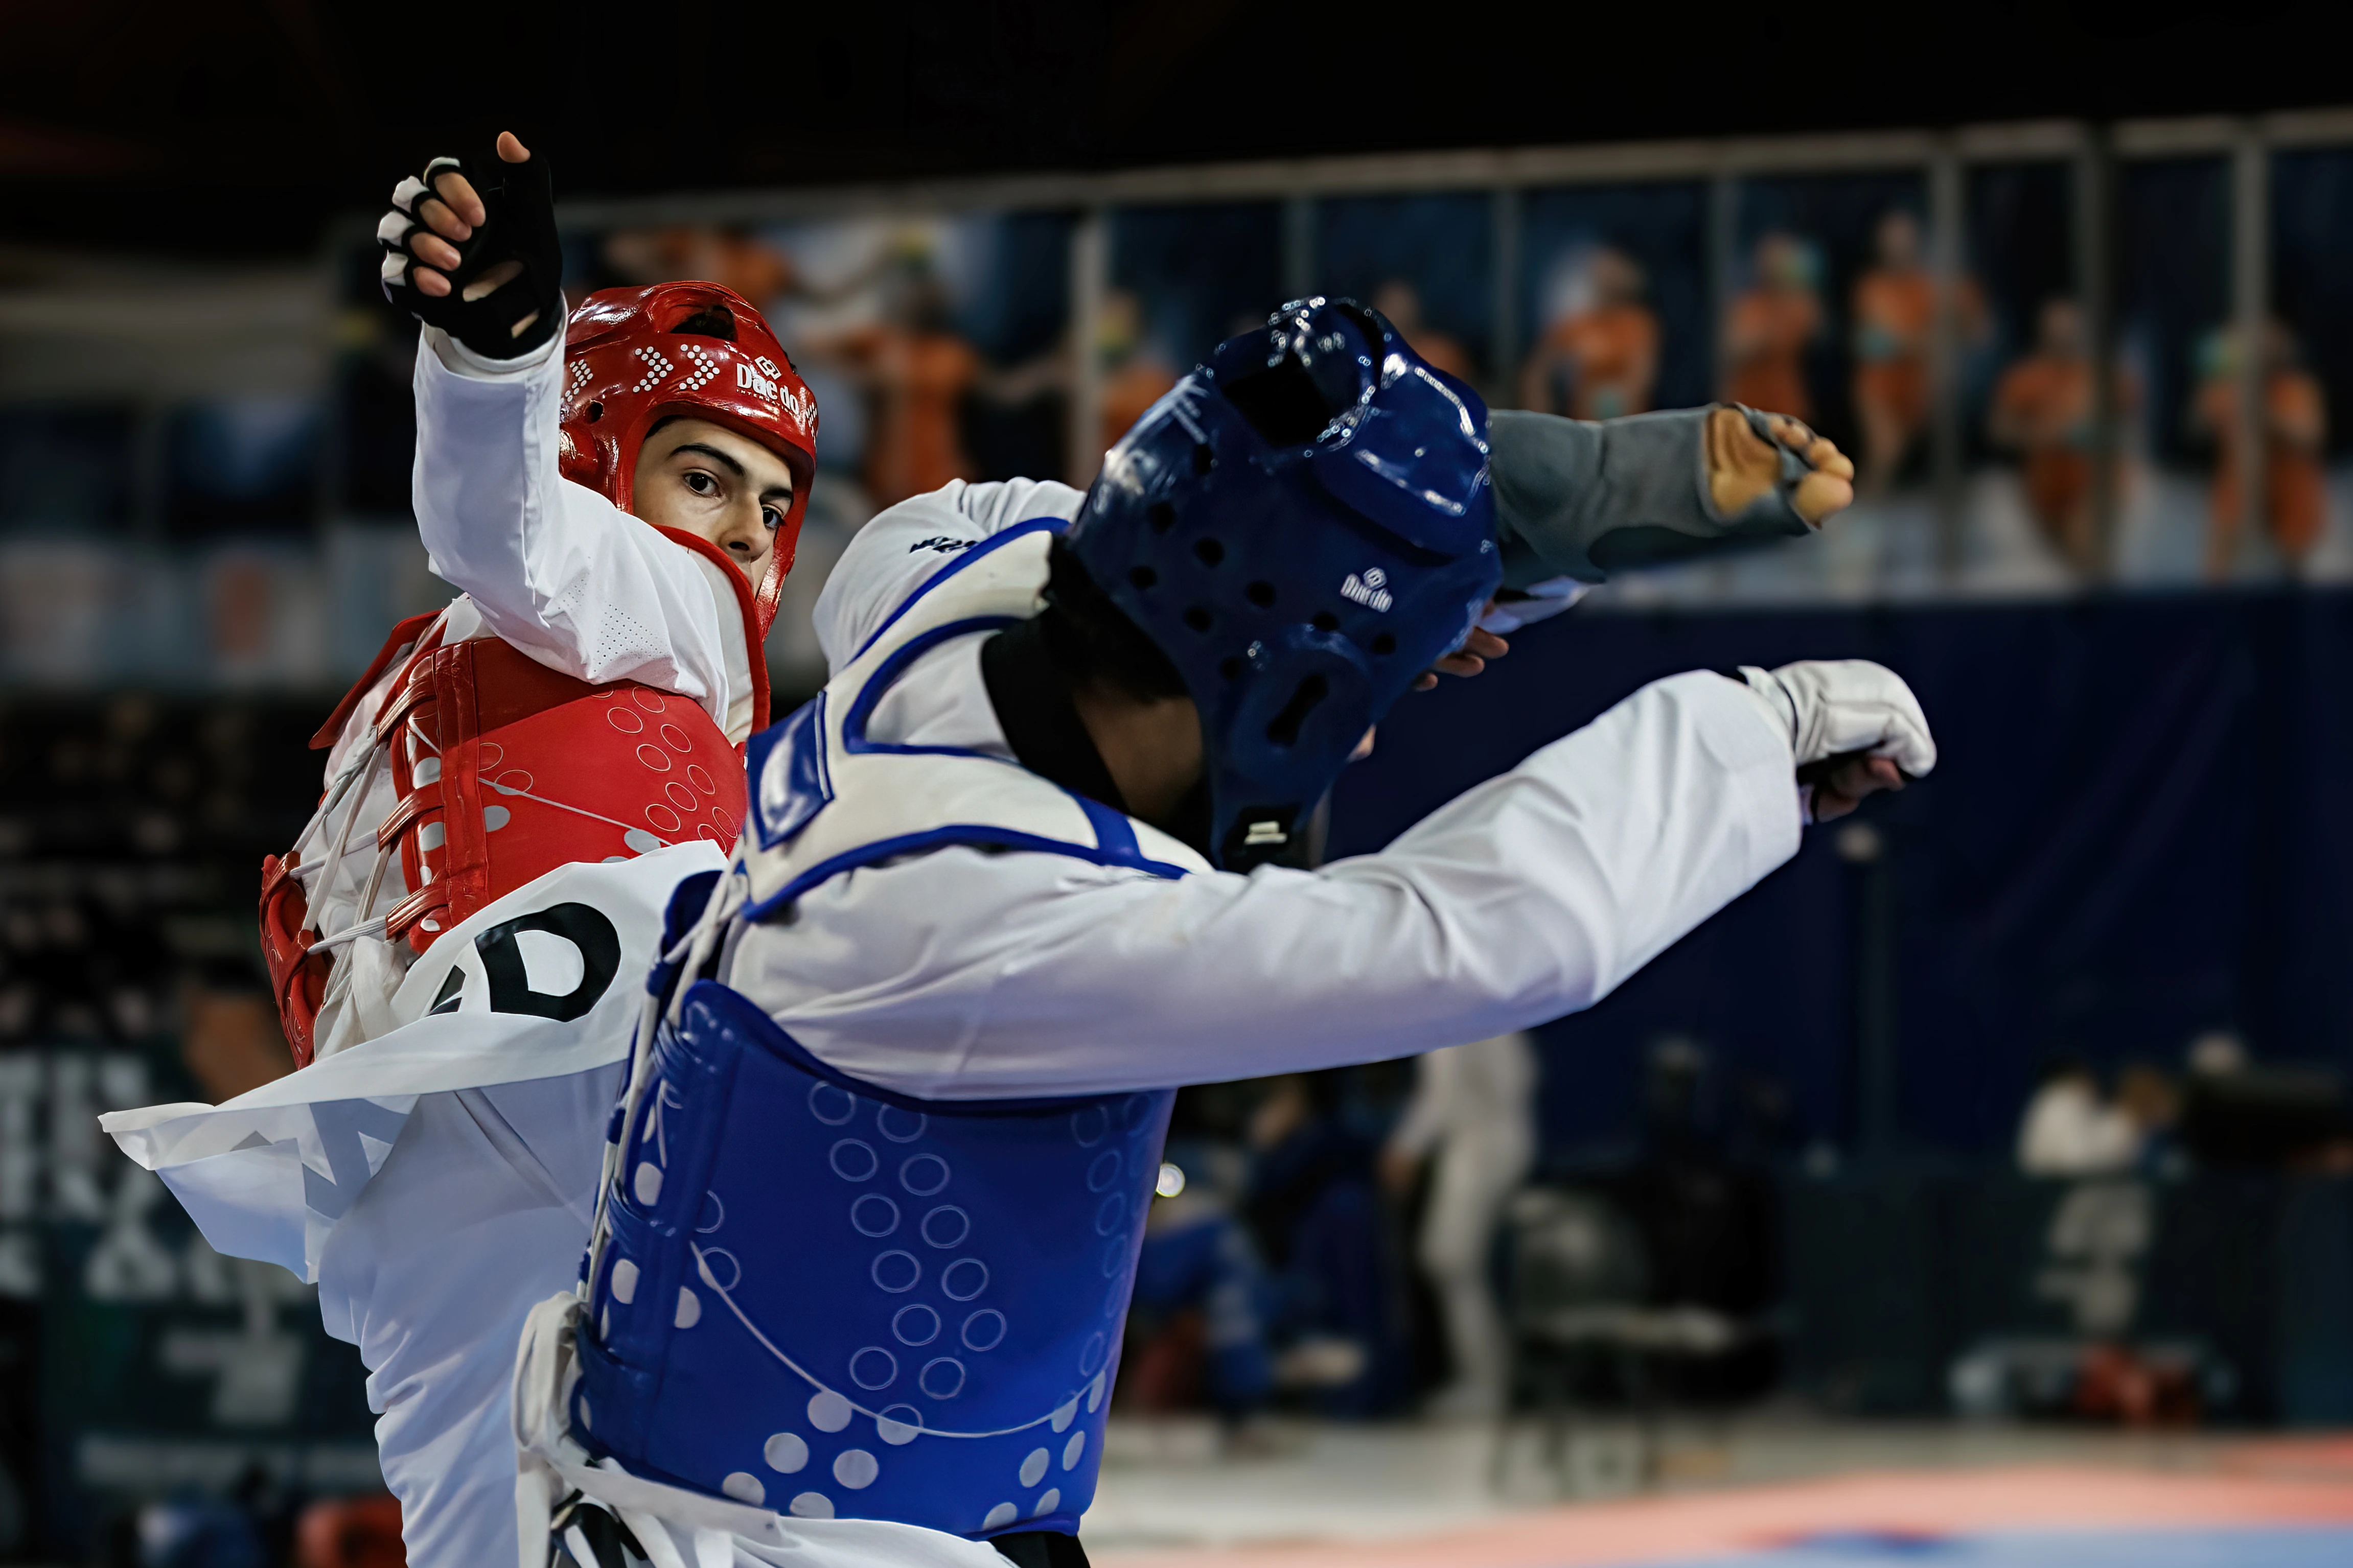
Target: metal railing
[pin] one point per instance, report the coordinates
(1943, 159)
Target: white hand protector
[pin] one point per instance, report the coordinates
(1836, 708)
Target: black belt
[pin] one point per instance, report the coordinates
(1040, 1549)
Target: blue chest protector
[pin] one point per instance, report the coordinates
(817, 1296)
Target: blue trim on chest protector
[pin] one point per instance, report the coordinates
(981, 550)
(838, 1302)
(805, 786)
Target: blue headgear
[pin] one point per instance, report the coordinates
(1302, 526)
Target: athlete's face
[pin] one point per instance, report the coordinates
(708, 480)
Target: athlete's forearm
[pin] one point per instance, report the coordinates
(965, 976)
(486, 477)
(554, 568)
(1581, 498)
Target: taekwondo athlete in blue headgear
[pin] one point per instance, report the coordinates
(1300, 529)
(1030, 861)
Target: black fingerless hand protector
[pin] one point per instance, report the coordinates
(518, 226)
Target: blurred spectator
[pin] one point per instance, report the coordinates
(192, 1530)
(1895, 317)
(2150, 1096)
(1599, 356)
(1472, 1117)
(1312, 1207)
(351, 1532)
(230, 1040)
(2217, 1053)
(1770, 326)
(1137, 372)
(758, 272)
(1203, 1297)
(2239, 1114)
(2043, 410)
(2295, 421)
(916, 373)
(2070, 1129)
(1401, 304)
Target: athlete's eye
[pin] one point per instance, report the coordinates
(700, 483)
(771, 519)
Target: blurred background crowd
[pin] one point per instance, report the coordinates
(2016, 1099)
(2060, 360)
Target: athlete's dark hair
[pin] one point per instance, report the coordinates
(1089, 638)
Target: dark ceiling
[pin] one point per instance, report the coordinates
(240, 126)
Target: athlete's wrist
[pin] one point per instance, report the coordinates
(459, 360)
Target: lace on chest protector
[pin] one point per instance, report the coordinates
(827, 798)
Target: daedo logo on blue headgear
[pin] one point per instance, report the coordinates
(1366, 588)
(1302, 526)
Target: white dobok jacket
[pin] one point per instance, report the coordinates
(963, 973)
(435, 1174)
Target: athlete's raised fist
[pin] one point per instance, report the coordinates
(1750, 453)
(1854, 729)
(471, 247)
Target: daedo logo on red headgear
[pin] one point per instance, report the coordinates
(794, 400)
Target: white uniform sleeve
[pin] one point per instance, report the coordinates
(960, 974)
(555, 568)
(904, 544)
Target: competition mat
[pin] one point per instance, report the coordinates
(2286, 1504)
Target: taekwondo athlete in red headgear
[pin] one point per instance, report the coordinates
(514, 790)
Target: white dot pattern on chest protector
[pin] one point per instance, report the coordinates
(938, 1337)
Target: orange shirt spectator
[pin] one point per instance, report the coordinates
(1611, 355)
(1136, 374)
(1129, 388)
(758, 272)
(915, 380)
(2295, 416)
(1401, 304)
(1894, 314)
(2043, 410)
(1769, 329)
(1605, 346)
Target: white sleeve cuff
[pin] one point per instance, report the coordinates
(1773, 702)
(1537, 602)
(459, 360)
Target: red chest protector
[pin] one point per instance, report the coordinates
(503, 770)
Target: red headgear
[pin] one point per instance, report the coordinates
(634, 357)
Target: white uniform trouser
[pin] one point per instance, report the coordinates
(480, 1213)
(1477, 1170)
